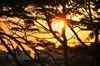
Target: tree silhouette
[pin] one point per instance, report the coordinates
(52, 11)
(10, 10)
(91, 21)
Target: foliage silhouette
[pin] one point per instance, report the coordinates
(49, 12)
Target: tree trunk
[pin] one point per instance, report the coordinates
(96, 46)
(93, 61)
(64, 43)
(66, 61)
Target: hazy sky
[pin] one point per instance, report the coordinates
(82, 34)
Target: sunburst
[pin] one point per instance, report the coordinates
(61, 24)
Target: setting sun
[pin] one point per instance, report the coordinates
(61, 24)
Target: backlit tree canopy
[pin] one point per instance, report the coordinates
(36, 13)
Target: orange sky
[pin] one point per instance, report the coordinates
(82, 34)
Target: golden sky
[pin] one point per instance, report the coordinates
(82, 34)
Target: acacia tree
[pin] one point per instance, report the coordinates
(90, 21)
(8, 7)
(56, 10)
(9, 10)
(49, 11)
(44, 8)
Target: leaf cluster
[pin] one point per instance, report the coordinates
(45, 44)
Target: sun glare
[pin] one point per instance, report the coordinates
(61, 24)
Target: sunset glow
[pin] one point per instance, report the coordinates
(61, 24)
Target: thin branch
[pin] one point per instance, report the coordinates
(81, 40)
(22, 46)
(9, 50)
(73, 35)
(10, 43)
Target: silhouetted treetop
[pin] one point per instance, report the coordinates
(21, 8)
(12, 8)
